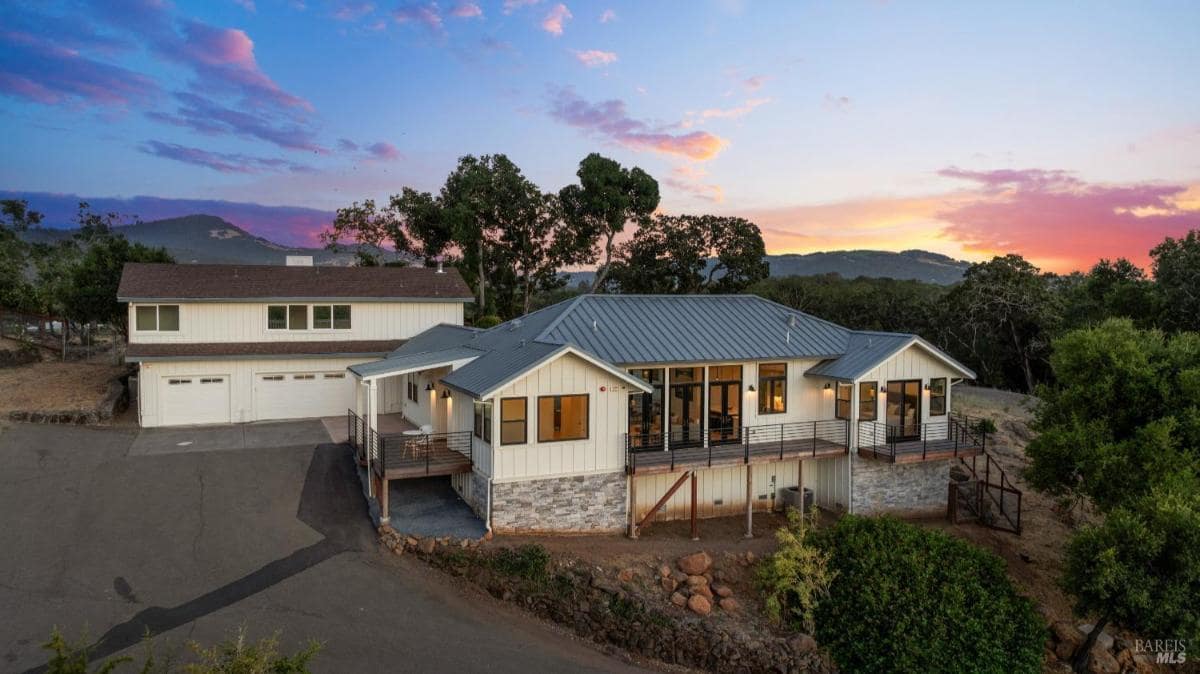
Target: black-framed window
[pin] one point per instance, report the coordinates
(412, 388)
(331, 316)
(483, 420)
(772, 388)
(841, 404)
(157, 318)
(562, 418)
(514, 415)
(646, 409)
(937, 396)
(868, 400)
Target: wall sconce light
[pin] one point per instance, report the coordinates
(927, 387)
(828, 386)
(751, 389)
(883, 388)
(429, 386)
(445, 393)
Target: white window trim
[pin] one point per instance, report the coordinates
(288, 318)
(157, 317)
(312, 318)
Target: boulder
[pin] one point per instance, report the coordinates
(1066, 633)
(694, 564)
(664, 571)
(722, 590)
(729, 604)
(699, 605)
(703, 591)
(668, 583)
(426, 545)
(693, 581)
(679, 600)
(625, 575)
(1103, 662)
(1104, 640)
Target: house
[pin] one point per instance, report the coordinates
(235, 343)
(594, 413)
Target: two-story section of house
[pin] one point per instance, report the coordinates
(237, 343)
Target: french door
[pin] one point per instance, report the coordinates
(904, 409)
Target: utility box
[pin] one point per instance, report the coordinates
(791, 497)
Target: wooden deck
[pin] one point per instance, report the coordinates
(916, 451)
(439, 460)
(680, 459)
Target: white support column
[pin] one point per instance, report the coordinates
(373, 404)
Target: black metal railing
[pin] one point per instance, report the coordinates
(355, 430)
(890, 441)
(423, 452)
(988, 495)
(735, 444)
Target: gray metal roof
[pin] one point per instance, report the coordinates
(414, 362)
(440, 336)
(866, 350)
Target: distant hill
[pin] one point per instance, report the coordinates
(209, 239)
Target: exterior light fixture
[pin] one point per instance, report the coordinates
(883, 388)
(445, 393)
(751, 389)
(828, 386)
(927, 387)
(429, 386)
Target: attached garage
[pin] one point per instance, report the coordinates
(194, 399)
(297, 395)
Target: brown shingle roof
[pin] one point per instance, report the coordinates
(142, 281)
(244, 350)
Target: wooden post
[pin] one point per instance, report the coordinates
(383, 501)
(633, 530)
(749, 501)
(695, 530)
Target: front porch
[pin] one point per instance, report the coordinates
(400, 450)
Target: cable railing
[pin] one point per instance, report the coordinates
(427, 453)
(735, 444)
(951, 437)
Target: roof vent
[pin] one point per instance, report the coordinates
(522, 344)
(299, 261)
(439, 269)
(793, 322)
(595, 325)
(516, 323)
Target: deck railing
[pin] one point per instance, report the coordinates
(420, 451)
(738, 444)
(889, 441)
(987, 496)
(355, 431)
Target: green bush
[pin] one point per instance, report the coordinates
(984, 426)
(796, 576)
(531, 562)
(908, 599)
(488, 321)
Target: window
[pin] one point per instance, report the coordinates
(868, 395)
(303, 376)
(334, 375)
(937, 396)
(842, 404)
(272, 377)
(513, 413)
(177, 382)
(212, 380)
(562, 418)
(412, 388)
(157, 317)
(483, 420)
(331, 317)
(772, 388)
(289, 317)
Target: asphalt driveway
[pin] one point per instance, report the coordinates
(98, 538)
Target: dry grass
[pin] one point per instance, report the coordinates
(54, 385)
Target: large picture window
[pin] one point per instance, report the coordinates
(841, 408)
(287, 317)
(483, 420)
(513, 415)
(937, 396)
(772, 388)
(868, 400)
(562, 418)
(157, 318)
(331, 317)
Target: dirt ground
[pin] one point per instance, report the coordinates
(51, 385)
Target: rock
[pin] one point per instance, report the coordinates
(625, 575)
(749, 557)
(693, 581)
(722, 590)
(802, 643)
(679, 576)
(679, 600)
(664, 571)
(1064, 650)
(605, 585)
(1105, 639)
(1066, 633)
(464, 544)
(426, 545)
(694, 564)
(729, 604)
(708, 576)
(1103, 662)
(1143, 663)
(668, 583)
(488, 536)
(699, 605)
(410, 541)
(703, 591)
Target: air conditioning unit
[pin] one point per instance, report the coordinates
(790, 497)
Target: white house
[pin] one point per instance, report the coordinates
(594, 414)
(235, 343)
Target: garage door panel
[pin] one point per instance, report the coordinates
(193, 399)
(296, 395)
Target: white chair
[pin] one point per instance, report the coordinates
(427, 429)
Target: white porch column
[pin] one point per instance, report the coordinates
(373, 404)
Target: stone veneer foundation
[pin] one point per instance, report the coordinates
(881, 487)
(580, 503)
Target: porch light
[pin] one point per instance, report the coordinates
(429, 386)
(883, 388)
(751, 389)
(927, 387)
(445, 393)
(828, 386)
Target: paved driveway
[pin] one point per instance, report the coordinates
(191, 544)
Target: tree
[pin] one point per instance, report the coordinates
(1121, 415)
(1177, 274)
(1004, 314)
(15, 218)
(91, 294)
(691, 254)
(607, 197)
(1111, 289)
(1140, 568)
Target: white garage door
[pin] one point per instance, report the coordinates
(295, 395)
(194, 399)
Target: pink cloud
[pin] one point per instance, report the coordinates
(247, 5)
(467, 10)
(353, 11)
(608, 119)
(689, 179)
(511, 6)
(742, 110)
(222, 162)
(594, 58)
(207, 116)
(425, 14)
(754, 82)
(383, 150)
(608, 15)
(553, 22)
(38, 70)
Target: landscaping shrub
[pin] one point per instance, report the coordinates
(531, 562)
(488, 321)
(796, 576)
(907, 599)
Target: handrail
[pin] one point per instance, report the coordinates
(692, 448)
(892, 440)
(398, 447)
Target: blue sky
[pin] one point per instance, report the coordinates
(1063, 131)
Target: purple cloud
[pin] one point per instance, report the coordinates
(224, 162)
(383, 150)
(209, 117)
(347, 145)
(426, 14)
(352, 11)
(36, 69)
(608, 119)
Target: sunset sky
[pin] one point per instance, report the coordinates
(1065, 132)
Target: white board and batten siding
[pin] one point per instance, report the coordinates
(217, 322)
(911, 363)
(603, 451)
(186, 392)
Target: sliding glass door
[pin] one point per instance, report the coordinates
(685, 406)
(724, 403)
(904, 409)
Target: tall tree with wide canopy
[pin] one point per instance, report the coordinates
(15, 218)
(691, 254)
(1177, 273)
(607, 197)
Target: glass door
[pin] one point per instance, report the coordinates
(684, 411)
(646, 412)
(904, 410)
(724, 404)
